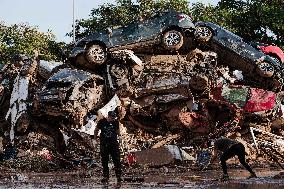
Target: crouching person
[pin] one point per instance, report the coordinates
(109, 146)
(228, 148)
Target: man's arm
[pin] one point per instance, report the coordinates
(96, 131)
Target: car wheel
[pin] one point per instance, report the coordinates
(265, 69)
(96, 54)
(173, 40)
(203, 34)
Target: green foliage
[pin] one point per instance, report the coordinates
(24, 39)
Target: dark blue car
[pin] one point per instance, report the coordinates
(236, 53)
(166, 29)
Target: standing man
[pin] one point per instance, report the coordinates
(109, 145)
(229, 148)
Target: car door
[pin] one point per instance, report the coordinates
(236, 44)
(228, 39)
(151, 28)
(125, 35)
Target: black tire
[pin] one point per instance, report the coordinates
(96, 54)
(172, 40)
(203, 34)
(265, 69)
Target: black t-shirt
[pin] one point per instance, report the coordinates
(223, 144)
(108, 130)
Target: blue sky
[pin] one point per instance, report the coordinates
(54, 15)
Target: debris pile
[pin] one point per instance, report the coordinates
(168, 104)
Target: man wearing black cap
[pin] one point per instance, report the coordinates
(109, 145)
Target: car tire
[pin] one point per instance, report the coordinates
(203, 34)
(173, 40)
(265, 69)
(96, 54)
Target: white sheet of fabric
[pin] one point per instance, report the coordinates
(110, 106)
(18, 104)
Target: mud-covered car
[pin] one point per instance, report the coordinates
(236, 53)
(70, 93)
(161, 87)
(168, 29)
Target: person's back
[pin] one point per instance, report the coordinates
(229, 149)
(223, 143)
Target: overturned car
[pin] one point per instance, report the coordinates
(258, 68)
(167, 29)
(70, 94)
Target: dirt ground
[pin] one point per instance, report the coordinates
(164, 177)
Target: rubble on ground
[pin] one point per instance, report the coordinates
(171, 103)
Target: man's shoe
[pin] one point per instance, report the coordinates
(104, 180)
(225, 177)
(253, 175)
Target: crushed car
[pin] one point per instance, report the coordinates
(167, 29)
(70, 94)
(162, 86)
(258, 68)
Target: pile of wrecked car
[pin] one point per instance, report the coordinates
(205, 82)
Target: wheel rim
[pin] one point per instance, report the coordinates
(266, 67)
(97, 53)
(203, 32)
(172, 38)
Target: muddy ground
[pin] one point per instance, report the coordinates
(164, 177)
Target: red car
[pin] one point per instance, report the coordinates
(273, 51)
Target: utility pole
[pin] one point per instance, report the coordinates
(73, 21)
